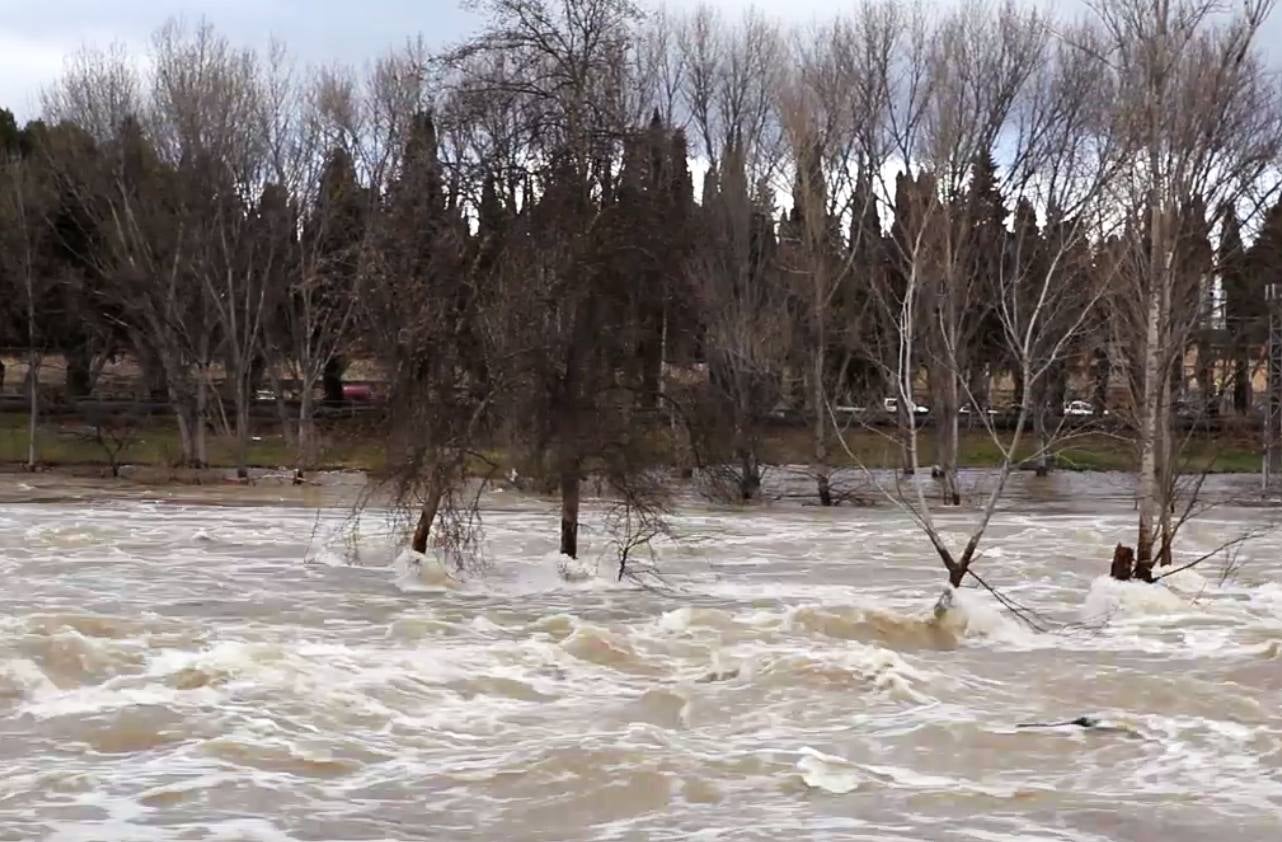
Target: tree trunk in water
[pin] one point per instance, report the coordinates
(1165, 469)
(428, 516)
(825, 489)
(1148, 496)
(570, 482)
(1125, 568)
(749, 475)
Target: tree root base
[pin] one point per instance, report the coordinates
(1125, 568)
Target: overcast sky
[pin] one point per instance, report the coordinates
(35, 35)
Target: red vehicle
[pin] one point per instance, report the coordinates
(357, 393)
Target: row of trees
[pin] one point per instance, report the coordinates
(887, 206)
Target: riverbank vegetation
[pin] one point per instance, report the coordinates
(597, 242)
(353, 446)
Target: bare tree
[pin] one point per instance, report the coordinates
(1063, 156)
(213, 102)
(1202, 118)
(565, 63)
(314, 306)
(154, 198)
(743, 301)
(830, 111)
(732, 75)
(24, 205)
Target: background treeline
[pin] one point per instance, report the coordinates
(608, 241)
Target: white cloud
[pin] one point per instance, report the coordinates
(26, 66)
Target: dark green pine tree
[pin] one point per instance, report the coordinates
(984, 237)
(10, 136)
(1027, 253)
(1241, 307)
(337, 230)
(867, 337)
(648, 224)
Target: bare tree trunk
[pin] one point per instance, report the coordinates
(1042, 403)
(662, 385)
(428, 516)
(570, 482)
(287, 428)
(749, 474)
(1042, 465)
(185, 441)
(1147, 498)
(242, 427)
(822, 471)
(947, 439)
(33, 357)
(907, 438)
(199, 437)
(306, 429)
(1165, 457)
(33, 395)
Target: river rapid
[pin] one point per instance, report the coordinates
(212, 665)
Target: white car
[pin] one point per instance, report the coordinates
(891, 405)
(1078, 409)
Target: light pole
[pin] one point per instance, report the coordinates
(1273, 404)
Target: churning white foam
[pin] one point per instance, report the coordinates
(1109, 600)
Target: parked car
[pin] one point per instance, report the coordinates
(357, 393)
(1079, 409)
(966, 410)
(891, 406)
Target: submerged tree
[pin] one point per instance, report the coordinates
(1201, 117)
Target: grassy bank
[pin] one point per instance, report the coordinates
(1222, 453)
(355, 445)
(155, 442)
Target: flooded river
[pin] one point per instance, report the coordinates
(173, 667)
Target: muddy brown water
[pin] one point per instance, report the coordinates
(175, 667)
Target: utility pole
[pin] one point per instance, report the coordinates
(1273, 405)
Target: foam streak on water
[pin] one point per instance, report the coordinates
(176, 669)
